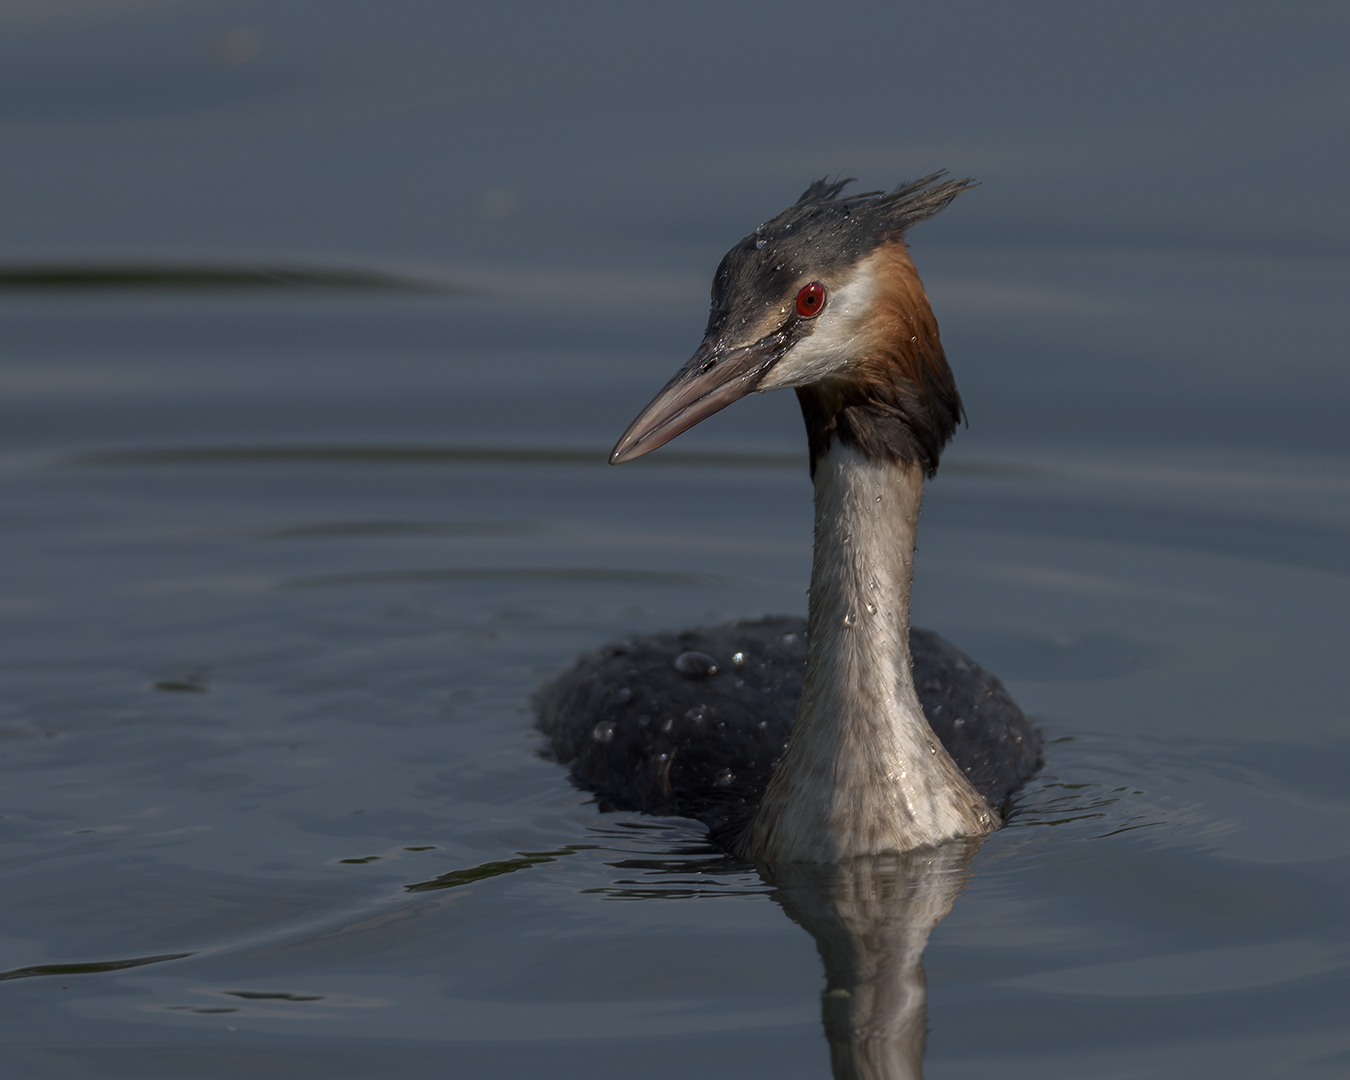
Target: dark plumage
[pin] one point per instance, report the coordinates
(644, 726)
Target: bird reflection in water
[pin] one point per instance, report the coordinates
(871, 918)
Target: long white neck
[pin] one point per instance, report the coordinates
(863, 773)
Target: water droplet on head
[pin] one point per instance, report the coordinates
(603, 732)
(696, 714)
(724, 778)
(738, 658)
(667, 725)
(696, 665)
(851, 618)
(871, 608)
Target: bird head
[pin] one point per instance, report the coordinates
(825, 299)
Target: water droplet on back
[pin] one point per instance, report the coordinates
(696, 665)
(761, 243)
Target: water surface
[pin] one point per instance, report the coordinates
(285, 557)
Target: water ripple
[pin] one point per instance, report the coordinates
(508, 573)
(209, 277)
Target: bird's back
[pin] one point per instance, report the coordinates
(692, 723)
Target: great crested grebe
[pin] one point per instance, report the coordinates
(897, 739)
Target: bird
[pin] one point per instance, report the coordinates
(848, 734)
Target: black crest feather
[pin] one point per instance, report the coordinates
(881, 214)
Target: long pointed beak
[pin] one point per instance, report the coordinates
(711, 381)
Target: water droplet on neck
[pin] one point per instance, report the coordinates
(851, 618)
(871, 608)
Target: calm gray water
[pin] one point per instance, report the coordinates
(282, 563)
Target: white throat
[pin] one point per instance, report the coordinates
(863, 773)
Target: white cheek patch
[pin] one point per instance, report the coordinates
(839, 336)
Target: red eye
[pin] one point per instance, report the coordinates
(811, 300)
